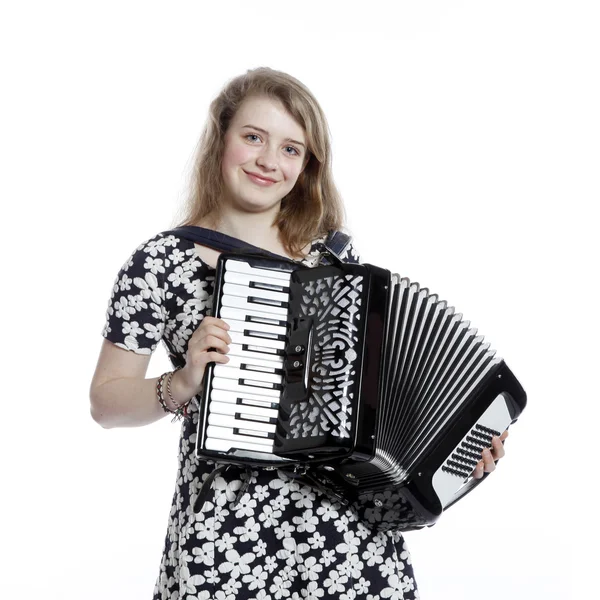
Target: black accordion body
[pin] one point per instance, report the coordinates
(356, 379)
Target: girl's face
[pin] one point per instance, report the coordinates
(265, 152)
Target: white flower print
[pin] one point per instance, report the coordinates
(261, 492)
(248, 531)
(205, 554)
(292, 551)
(284, 530)
(310, 569)
(225, 542)
(349, 595)
(260, 549)
(212, 576)
(307, 522)
(231, 587)
(362, 586)
(304, 497)
(269, 516)
(394, 591)
(342, 523)
(246, 506)
(350, 545)
(335, 582)
(327, 510)
(270, 563)
(373, 554)
(317, 541)
(280, 587)
(327, 557)
(256, 578)
(262, 595)
(235, 563)
(280, 502)
(388, 567)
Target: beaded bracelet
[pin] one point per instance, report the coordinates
(181, 409)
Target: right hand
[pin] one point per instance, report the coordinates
(209, 343)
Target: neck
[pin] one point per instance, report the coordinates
(255, 228)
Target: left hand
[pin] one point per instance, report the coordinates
(496, 452)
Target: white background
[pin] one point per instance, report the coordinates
(466, 146)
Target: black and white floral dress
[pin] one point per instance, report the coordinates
(279, 539)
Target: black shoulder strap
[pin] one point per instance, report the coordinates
(218, 241)
(336, 242)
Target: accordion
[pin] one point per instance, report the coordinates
(359, 381)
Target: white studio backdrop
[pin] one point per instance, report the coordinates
(465, 140)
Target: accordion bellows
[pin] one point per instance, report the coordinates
(368, 384)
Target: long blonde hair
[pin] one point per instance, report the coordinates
(314, 206)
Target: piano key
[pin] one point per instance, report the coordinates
(256, 427)
(239, 266)
(241, 326)
(234, 373)
(241, 339)
(218, 445)
(232, 385)
(265, 354)
(244, 291)
(253, 363)
(275, 285)
(225, 408)
(228, 433)
(253, 308)
(243, 400)
(226, 313)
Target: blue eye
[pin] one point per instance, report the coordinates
(294, 149)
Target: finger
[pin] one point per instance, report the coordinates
(478, 470)
(215, 322)
(497, 448)
(504, 435)
(488, 461)
(216, 332)
(217, 357)
(209, 342)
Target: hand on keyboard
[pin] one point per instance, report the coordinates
(209, 343)
(496, 452)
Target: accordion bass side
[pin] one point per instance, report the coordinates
(356, 379)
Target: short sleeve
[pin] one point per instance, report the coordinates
(136, 314)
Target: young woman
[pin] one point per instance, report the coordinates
(262, 176)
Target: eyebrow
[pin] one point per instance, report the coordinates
(267, 133)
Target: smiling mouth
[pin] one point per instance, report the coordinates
(260, 180)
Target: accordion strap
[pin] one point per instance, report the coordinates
(335, 243)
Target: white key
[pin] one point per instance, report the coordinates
(242, 326)
(246, 279)
(233, 373)
(225, 408)
(262, 353)
(231, 421)
(219, 445)
(245, 399)
(251, 308)
(227, 313)
(232, 385)
(244, 291)
(226, 433)
(239, 338)
(252, 362)
(239, 266)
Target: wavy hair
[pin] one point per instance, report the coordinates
(314, 206)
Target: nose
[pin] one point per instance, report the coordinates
(267, 159)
